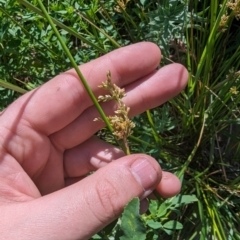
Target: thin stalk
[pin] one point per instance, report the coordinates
(123, 143)
(126, 16)
(201, 214)
(208, 207)
(136, 139)
(154, 132)
(109, 19)
(191, 83)
(219, 224)
(12, 87)
(190, 157)
(193, 236)
(216, 223)
(221, 160)
(79, 73)
(128, 19)
(210, 41)
(213, 10)
(100, 30)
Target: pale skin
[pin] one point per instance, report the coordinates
(48, 149)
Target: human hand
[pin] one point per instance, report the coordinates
(48, 149)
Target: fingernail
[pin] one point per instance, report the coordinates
(145, 174)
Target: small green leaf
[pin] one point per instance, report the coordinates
(96, 236)
(175, 225)
(153, 206)
(155, 225)
(168, 231)
(162, 210)
(181, 200)
(61, 12)
(132, 225)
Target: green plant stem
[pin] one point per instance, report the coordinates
(138, 140)
(12, 87)
(190, 157)
(100, 30)
(201, 212)
(108, 18)
(80, 75)
(124, 146)
(210, 42)
(127, 20)
(154, 131)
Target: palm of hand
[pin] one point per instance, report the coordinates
(47, 138)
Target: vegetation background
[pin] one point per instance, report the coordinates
(196, 135)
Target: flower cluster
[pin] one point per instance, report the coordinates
(120, 122)
(234, 6)
(121, 5)
(115, 93)
(223, 23)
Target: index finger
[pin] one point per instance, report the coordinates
(58, 102)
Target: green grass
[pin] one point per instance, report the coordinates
(196, 135)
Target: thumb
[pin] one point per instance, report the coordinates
(84, 208)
